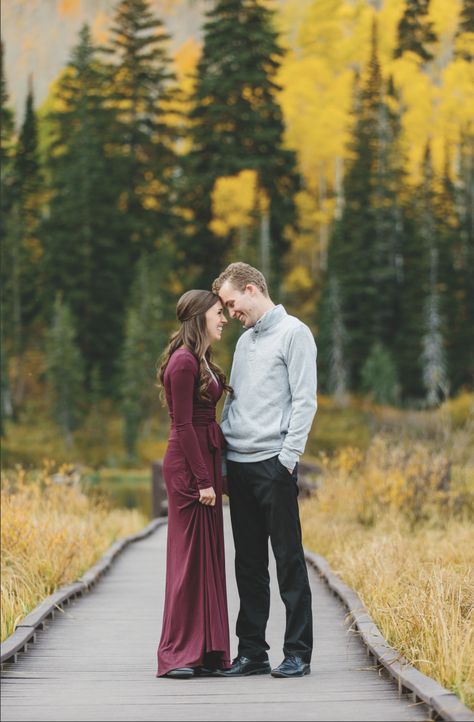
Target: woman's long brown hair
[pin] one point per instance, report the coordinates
(190, 310)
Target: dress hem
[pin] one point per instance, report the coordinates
(199, 663)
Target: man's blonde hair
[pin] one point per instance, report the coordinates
(239, 275)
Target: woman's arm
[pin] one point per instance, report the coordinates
(183, 374)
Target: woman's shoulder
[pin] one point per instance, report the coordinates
(181, 359)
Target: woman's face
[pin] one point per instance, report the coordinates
(215, 322)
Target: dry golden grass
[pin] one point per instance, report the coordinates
(51, 533)
(396, 524)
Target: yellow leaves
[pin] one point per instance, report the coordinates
(316, 105)
(327, 41)
(347, 460)
(409, 480)
(252, 95)
(54, 103)
(433, 112)
(69, 7)
(444, 16)
(418, 97)
(151, 193)
(100, 27)
(465, 45)
(460, 410)
(122, 204)
(233, 202)
(456, 109)
(186, 59)
(299, 279)
(388, 18)
(150, 203)
(219, 227)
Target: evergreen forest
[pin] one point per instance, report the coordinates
(330, 143)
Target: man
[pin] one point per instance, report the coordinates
(266, 424)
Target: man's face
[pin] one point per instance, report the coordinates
(240, 304)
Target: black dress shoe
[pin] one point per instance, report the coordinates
(292, 666)
(244, 667)
(180, 673)
(207, 672)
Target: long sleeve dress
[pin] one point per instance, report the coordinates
(195, 626)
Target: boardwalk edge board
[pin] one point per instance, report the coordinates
(441, 702)
(25, 631)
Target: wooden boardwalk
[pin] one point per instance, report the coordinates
(97, 660)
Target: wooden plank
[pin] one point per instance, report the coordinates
(16, 642)
(451, 708)
(97, 661)
(43, 610)
(255, 711)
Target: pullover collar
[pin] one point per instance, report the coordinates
(269, 319)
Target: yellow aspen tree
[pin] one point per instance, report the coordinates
(234, 200)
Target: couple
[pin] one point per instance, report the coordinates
(266, 419)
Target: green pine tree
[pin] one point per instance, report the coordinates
(6, 149)
(27, 197)
(6, 180)
(333, 372)
(466, 18)
(415, 31)
(64, 371)
(365, 249)
(389, 217)
(466, 25)
(21, 248)
(26, 156)
(425, 300)
(237, 124)
(433, 356)
(94, 431)
(463, 262)
(450, 277)
(143, 90)
(85, 254)
(133, 381)
(379, 376)
(144, 340)
(415, 286)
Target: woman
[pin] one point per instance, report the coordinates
(195, 631)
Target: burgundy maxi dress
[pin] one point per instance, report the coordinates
(195, 627)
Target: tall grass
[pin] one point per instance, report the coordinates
(395, 522)
(51, 533)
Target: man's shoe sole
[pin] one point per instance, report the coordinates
(275, 673)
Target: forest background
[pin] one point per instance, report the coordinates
(330, 143)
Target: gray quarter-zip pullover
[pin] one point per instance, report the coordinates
(274, 380)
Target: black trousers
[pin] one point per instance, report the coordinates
(263, 505)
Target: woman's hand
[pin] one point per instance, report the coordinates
(207, 496)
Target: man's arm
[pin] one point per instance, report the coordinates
(225, 408)
(302, 378)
